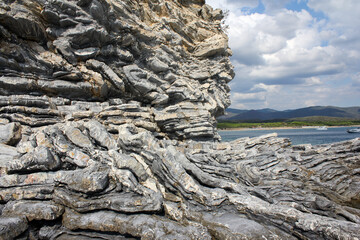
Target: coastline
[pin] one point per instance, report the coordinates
(279, 128)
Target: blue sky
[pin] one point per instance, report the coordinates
(293, 53)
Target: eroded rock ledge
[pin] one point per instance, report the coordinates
(107, 131)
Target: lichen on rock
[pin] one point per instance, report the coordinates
(108, 131)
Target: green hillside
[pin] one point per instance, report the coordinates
(266, 115)
(296, 122)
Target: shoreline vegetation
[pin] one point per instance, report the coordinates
(284, 125)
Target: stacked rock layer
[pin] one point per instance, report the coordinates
(108, 131)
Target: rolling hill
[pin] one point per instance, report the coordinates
(236, 115)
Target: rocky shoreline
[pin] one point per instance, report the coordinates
(108, 131)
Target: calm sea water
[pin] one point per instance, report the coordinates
(297, 136)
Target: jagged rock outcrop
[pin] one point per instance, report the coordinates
(166, 61)
(107, 131)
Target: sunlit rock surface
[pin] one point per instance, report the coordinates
(108, 131)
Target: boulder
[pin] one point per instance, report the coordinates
(107, 72)
(33, 210)
(99, 133)
(41, 159)
(157, 66)
(11, 227)
(136, 226)
(86, 181)
(138, 79)
(7, 154)
(77, 137)
(21, 21)
(213, 46)
(10, 134)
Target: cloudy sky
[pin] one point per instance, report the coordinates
(294, 53)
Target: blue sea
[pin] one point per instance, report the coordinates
(297, 136)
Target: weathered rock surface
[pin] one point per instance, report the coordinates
(10, 134)
(11, 227)
(33, 210)
(108, 131)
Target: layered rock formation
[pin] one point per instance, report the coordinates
(107, 131)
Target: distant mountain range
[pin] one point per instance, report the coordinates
(268, 114)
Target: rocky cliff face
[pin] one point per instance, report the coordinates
(107, 131)
(162, 65)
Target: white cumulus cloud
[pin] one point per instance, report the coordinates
(294, 51)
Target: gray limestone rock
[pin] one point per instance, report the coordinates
(10, 85)
(14, 180)
(123, 161)
(157, 66)
(77, 137)
(50, 16)
(20, 20)
(41, 159)
(66, 89)
(61, 233)
(119, 202)
(7, 154)
(62, 44)
(78, 158)
(108, 131)
(215, 45)
(138, 79)
(33, 210)
(108, 72)
(86, 53)
(145, 226)
(10, 134)
(98, 132)
(41, 192)
(11, 227)
(233, 226)
(86, 181)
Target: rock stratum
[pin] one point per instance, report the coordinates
(108, 131)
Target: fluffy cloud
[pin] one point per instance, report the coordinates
(310, 53)
(248, 100)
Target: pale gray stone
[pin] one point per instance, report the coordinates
(7, 154)
(108, 72)
(15, 85)
(138, 226)
(233, 226)
(41, 192)
(119, 202)
(87, 181)
(138, 79)
(86, 53)
(123, 161)
(87, 34)
(33, 210)
(14, 180)
(11, 227)
(77, 137)
(213, 46)
(63, 45)
(157, 66)
(60, 233)
(98, 132)
(41, 159)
